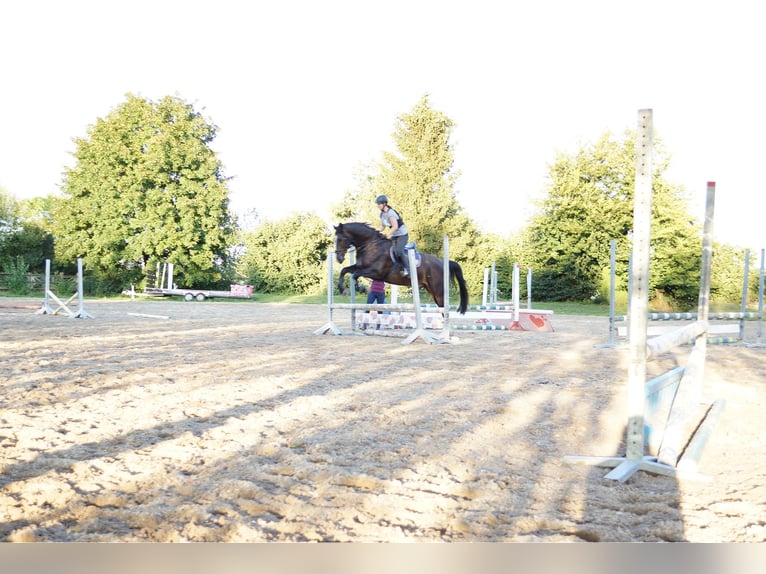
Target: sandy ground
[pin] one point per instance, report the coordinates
(233, 421)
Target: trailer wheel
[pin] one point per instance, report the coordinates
(188, 297)
(200, 297)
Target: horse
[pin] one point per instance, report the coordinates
(374, 261)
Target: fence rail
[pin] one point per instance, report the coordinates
(35, 282)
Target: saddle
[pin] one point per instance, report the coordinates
(409, 246)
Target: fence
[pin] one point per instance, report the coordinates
(35, 283)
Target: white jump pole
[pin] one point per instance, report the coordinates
(329, 326)
(419, 332)
(689, 392)
(529, 287)
(493, 284)
(515, 326)
(760, 300)
(625, 467)
(80, 313)
(745, 280)
(45, 309)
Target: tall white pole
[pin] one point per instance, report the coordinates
(639, 302)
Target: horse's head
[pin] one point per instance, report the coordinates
(354, 234)
(342, 243)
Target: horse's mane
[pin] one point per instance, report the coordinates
(357, 227)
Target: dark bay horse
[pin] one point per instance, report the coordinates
(373, 260)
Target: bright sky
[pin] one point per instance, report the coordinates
(305, 92)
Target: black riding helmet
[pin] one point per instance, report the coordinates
(381, 199)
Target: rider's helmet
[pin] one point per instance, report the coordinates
(381, 199)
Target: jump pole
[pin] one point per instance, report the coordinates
(419, 332)
(612, 284)
(515, 326)
(329, 326)
(446, 331)
(45, 309)
(529, 287)
(745, 280)
(625, 467)
(690, 389)
(760, 300)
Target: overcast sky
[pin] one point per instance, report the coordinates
(305, 93)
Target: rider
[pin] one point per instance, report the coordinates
(399, 233)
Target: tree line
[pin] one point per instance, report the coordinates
(147, 188)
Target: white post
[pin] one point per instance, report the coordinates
(45, 309)
(353, 284)
(445, 305)
(419, 331)
(493, 285)
(486, 286)
(639, 302)
(760, 300)
(80, 313)
(745, 281)
(529, 287)
(612, 281)
(516, 294)
(329, 326)
(689, 391)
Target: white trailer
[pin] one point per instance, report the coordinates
(236, 292)
(170, 290)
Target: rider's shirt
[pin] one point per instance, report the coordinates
(385, 220)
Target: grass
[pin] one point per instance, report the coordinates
(558, 307)
(585, 308)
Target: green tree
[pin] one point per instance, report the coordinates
(419, 180)
(8, 223)
(727, 273)
(147, 188)
(25, 238)
(287, 256)
(589, 202)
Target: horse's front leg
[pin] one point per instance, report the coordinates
(341, 283)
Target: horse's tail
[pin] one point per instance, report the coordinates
(456, 273)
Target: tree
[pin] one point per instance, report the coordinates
(287, 256)
(24, 232)
(418, 180)
(589, 203)
(147, 188)
(420, 184)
